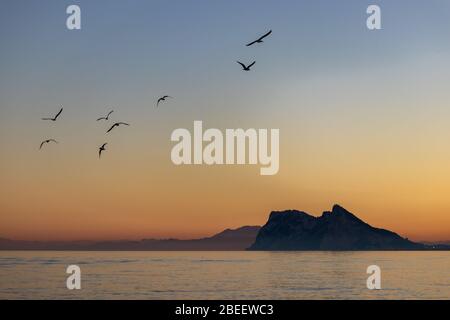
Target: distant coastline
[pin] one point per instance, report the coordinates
(290, 230)
(228, 240)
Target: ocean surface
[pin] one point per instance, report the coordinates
(224, 275)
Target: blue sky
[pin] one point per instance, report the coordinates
(135, 50)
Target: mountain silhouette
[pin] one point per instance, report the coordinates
(335, 230)
(285, 230)
(227, 240)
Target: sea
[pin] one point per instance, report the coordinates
(224, 275)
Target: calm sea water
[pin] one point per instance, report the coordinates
(224, 275)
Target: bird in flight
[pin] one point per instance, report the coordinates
(246, 68)
(55, 117)
(47, 141)
(163, 98)
(101, 149)
(107, 116)
(259, 40)
(116, 125)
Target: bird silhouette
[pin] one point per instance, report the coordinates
(101, 149)
(116, 125)
(47, 141)
(107, 116)
(246, 68)
(55, 117)
(259, 40)
(163, 98)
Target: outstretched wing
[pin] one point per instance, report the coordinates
(57, 115)
(42, 143)
(243, 65)
(123, 123)
(259, 39)
(262, 37)
(102, 118)
(251, 64)
(110, 113)
(159, 100)
(112, 127)
(52, 140)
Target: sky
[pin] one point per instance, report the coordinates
(363, 115)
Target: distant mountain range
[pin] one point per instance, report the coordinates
(337, 229)
(227, 240)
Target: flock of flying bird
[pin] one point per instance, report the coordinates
(161, 99)
(259, 40)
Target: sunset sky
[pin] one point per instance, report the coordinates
(364, 116)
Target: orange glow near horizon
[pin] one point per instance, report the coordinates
(123, 196)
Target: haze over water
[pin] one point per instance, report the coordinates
(224, 275)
